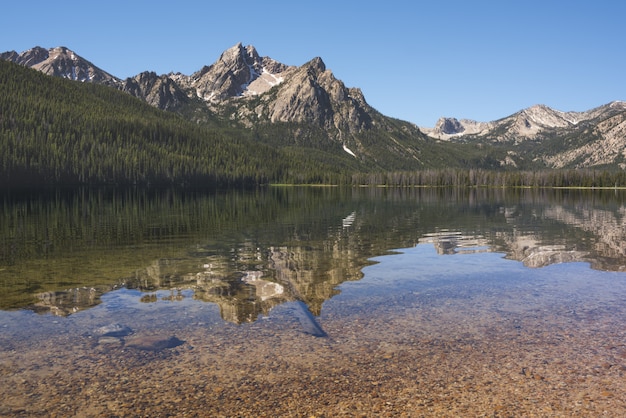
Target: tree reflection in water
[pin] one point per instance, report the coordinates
(251, 251)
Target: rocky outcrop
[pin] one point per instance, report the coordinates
(239, 71)
(158, 91)
(447, 128)
(450, 126)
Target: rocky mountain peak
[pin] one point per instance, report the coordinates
(29, 57)
(449, 126)
(312, 94)
(61, 62)
(316, 66)
(158, 91)
(238, 57)
(234, 72)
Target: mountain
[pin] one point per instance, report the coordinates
(306, 94)
(305, 109)
(532, 123)
(241, 85)
(311, 116)
(239, 71)
(599, 141)
(526, 124)
(288, 106)
(55, 131)
(541, 137)
(159, 91)
(61, 62)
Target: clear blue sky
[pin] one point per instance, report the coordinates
(414, 60)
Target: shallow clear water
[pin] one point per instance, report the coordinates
(324, 302)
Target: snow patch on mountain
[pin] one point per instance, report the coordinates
(261, 83)
(346, 149)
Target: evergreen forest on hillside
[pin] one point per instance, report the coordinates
(59, 132)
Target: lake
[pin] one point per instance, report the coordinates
(313, 301)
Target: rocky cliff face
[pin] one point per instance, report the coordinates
(311, 94)
(158, 91)
(448, 128)
(239, 71)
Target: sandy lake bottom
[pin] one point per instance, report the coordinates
(420, 335)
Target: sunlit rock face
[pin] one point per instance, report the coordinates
(239, 71)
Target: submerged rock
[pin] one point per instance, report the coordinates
(113, 330)
(110, 341)
(153, 342)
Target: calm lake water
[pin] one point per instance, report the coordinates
(313, 302)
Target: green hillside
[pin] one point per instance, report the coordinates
(58, 132)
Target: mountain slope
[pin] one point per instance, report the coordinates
(55, 131)
(302, 107)
(306, 112)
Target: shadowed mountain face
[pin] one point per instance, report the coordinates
(250, 252)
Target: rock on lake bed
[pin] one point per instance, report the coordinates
(153, 342)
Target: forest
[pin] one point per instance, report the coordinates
(460, 177)
(57, 132)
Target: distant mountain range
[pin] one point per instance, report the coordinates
(243, 89)
(556, 139)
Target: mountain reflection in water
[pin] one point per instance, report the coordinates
(248, 252)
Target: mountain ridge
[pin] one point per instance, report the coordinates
(307, 106)
(540, 136)
(525, 123)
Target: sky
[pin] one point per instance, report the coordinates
(414, 60)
